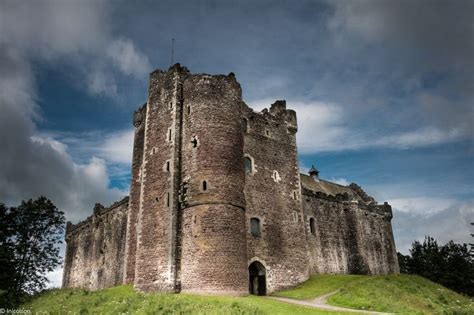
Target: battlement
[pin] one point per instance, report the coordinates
(98, 210)
(352, 194)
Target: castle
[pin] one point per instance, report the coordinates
(217, 204)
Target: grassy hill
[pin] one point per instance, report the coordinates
(401, 294)
(405, 294)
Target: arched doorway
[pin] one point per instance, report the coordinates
(257, 279)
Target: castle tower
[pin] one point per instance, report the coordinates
(186, 228)
(213, 246)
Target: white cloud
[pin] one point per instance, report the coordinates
(52, 31)
(128, 58)
(118, 147)
(339, 180)
(423, 205)
(326, 126)
(451, 220)
(100, 82)
(418, 138)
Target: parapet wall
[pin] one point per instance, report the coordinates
(351, 233)
(96, 247)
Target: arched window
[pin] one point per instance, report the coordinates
(255, 227)
(204, 185)
(312, 226)
(248, 164)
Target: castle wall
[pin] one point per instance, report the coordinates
(155, 262)
(272, 193)
(95, 249)
(349, 236)
(135, 194)
(212, 242)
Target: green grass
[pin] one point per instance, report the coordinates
(404, 294)
(124, 300)
(319, 285)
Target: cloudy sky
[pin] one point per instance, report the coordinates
(383, 91)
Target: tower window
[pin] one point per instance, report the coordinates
(168, 199)
(248, 164)
(169, 134)
(195, 141)
(267, 133)
(255, 227)
(244, 125)
(167, 166)
(312, 226)
(189, 110)
(204, 185)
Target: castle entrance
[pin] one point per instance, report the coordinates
(257, 279)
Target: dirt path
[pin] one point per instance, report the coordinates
(321, 303)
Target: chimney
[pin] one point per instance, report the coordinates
(314, 173)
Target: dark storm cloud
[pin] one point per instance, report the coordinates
(52, 32)
(425, 49)
(31, 166)
(406, 63)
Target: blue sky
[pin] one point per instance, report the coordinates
(383, 91)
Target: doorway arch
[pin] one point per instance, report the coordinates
(257, 279)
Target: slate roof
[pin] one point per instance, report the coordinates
(324, 186)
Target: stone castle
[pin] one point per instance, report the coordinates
(217, 204)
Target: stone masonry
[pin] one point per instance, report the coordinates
(217, 204)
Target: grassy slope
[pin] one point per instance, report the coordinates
(401, 294)
(123, 299)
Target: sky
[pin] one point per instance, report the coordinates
(383, 90)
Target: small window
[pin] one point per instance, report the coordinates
(171, 105)
(267, 133)
(204, 185)
(195, 141)
(189, 109)
(244, 125)
(169, 134)
(167, 166)
(168, 200)
(248, 164)
(312, 227)
(295, 216)
(255, 227)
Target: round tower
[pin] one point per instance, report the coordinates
(213, 238)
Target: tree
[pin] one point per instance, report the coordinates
(30, 235)
(7, 269)
(450, 265)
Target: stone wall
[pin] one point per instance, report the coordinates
(155, 261)
(349, 235)
(135, 194)
(212, 236)
(95, 248)
(272, 193)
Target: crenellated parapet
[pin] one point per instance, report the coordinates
(139, 116)
(98, 211)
